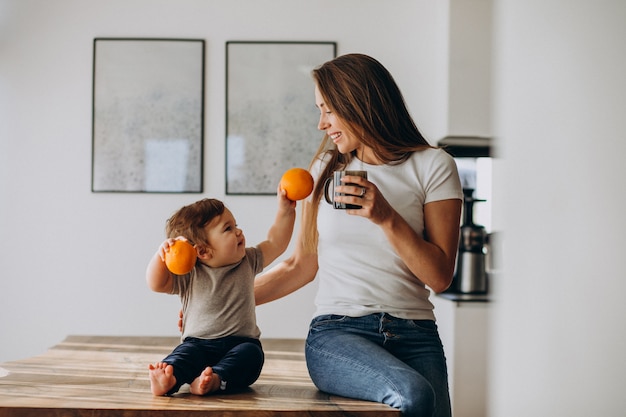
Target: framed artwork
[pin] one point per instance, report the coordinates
(271, 118)
(148, 115)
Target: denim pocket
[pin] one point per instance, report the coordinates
(424, 325)
(326, 320)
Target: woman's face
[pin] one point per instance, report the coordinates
(334, 127)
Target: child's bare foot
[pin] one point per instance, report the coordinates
(162, 378)
(205, 383)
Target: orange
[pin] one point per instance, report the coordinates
(181, 257)
(297, 182)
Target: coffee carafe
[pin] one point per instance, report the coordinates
(470, 276)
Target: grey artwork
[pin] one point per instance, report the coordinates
(148, 115)
(271, 120)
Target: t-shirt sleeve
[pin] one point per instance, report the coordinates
(255, 257)
(444, 182)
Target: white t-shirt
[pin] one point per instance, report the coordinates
(359, 272)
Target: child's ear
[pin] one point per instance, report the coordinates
(204, 253)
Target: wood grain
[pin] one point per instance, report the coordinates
(100, 376)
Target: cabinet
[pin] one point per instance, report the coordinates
(463, 328)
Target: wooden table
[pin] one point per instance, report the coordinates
(99, 376)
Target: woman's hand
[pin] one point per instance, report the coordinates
(365, 194)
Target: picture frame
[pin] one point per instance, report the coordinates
(271, 118)
(148, 115)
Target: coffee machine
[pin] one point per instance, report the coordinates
(470, 274)
(472, 155)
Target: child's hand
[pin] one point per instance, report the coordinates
(165, 246)
(284, 204)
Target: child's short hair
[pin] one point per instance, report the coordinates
(189, 221)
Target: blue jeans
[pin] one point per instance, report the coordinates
(237, 360)
(380, 358)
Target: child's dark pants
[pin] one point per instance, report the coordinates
(237, 360)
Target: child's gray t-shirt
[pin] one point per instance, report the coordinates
(219, 302)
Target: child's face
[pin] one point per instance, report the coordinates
(227, 242)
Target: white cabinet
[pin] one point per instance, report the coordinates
(463, 327)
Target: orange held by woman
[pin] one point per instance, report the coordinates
(297, 182)
(181, 257)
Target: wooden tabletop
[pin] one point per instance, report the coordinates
(99, 376)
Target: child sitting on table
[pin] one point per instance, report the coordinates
(220, 346)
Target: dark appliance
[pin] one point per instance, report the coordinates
(470, 275)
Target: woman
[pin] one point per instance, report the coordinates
(373, 336)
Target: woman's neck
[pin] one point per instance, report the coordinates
(366, 155)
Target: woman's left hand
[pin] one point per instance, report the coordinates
(364, 193)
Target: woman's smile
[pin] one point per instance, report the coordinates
(335, 136)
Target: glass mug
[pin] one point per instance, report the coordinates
(336, 180)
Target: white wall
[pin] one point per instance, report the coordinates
(558, 337)
(469, 90)
(71, 261)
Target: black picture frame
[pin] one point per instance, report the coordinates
(271, 118)
(148, 115)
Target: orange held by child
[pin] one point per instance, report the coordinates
(181, 257)
(297, 182)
